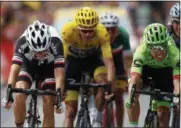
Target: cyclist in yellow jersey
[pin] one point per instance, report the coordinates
(82, 39)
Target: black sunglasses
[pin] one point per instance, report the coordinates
(86, 31)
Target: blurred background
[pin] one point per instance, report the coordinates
(16, 16)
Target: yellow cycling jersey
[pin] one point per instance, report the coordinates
(75, 46)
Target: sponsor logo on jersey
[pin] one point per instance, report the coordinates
(82, 53)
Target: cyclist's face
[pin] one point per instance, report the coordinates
(158, 52)
(86, 33)
(176, 27)
(112, 32)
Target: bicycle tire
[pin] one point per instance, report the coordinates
(79, 122)
(110, 115)
(154, 123)
(176, 120)
(31, 123)
(148, 119)
(86, 121)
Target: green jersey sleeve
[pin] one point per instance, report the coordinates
(138, 60)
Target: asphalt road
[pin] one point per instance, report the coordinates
(7, 118)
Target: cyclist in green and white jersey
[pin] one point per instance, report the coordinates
(158, 57)
(121, 52)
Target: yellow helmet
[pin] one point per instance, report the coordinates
(87, 17)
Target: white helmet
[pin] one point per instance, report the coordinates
(109, 19)
(38, 36)
(175, 11)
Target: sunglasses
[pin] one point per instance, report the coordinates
(86, 31)
(158, 47)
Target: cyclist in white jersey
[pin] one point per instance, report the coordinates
(38, 51)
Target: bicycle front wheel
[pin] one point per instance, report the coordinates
(30, 123)
(176, 120)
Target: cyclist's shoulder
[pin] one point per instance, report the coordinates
(101, 30)
(142, 49)
(69, 26)
(123, 32)
(172, 48)
(101, 33)
(21, 40)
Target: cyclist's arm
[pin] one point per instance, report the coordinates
(108, 60)
(17, 61)
(176, 71)
(66, 37)
(59, 62)
(14, 71)
(136, 69)
(127, 53)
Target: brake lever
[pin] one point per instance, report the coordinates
(133, 93)
(58, 92)
(108, 88)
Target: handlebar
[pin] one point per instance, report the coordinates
(154, 93)
(106, 86)
(11, 90)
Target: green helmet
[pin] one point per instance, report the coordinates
(155, 34)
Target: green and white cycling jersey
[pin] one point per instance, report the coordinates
(142, 56)
(120, 44)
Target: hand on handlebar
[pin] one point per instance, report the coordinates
(7, 105)
(8, 100)
(59, 106)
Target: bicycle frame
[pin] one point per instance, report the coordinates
(33, 118)
(83, 112)
(83, 116)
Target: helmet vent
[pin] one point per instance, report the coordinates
(33, 34)
(83, 21)
(88, 21)
(38, 42)
(43, 26)
(157, 36)
(42, 33)
(36, 27)
(162, 37)
(33, 43)
(44, 42)
(82, 14)
(155, 28)
(152, 38)
(93, 20)
(151, 32)
(160, 30)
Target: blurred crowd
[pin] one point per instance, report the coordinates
(16, 16)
